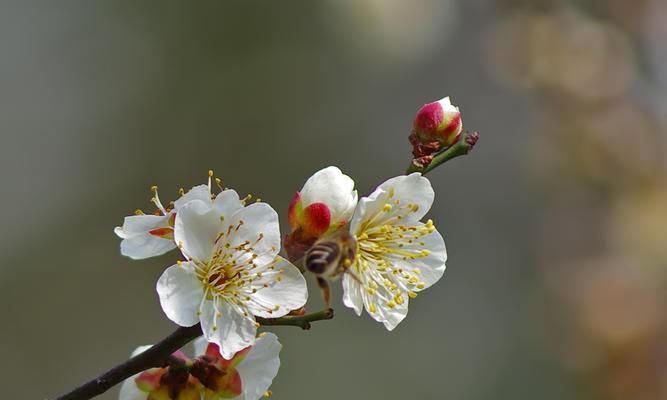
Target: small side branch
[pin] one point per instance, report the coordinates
(302, 321)
(159, 354)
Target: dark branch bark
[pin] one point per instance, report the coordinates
(159, 354)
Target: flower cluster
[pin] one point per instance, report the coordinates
(231, 275)
(246, 375)
(231, 271)
(395, 255)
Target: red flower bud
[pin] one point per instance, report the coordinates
(439, 121)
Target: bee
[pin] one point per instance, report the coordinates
(329, 258)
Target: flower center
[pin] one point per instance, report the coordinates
(383, 244)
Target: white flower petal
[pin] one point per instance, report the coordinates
(200, 344)
(225, 324)
(196, 229)
(430, 267)
(137, 242)
(367, 208)
(258, 225)
(409, 196)
(333, 188)
(284, 291)
(389, 316)
(259, 367)
(411, 189)
(135, 224)
(352, 294)
(140, 350)
(130, 391)
(227, 203)
(180, 293)
(201, 192)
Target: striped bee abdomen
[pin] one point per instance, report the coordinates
(322, 256)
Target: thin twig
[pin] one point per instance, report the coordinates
(158, 355)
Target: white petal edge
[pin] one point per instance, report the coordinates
(231, 330)
(333, 188)
(258, 218)
(200, 344)
(227, 203)
(180, 293)
(290, 293)
(390, 317)
(137, 243)
(260, 367)
(200, 192)
(408, 189)
(352, 297)
(129, 389)
(431, 267)
(196, 229)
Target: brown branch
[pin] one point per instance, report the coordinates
(159, 354)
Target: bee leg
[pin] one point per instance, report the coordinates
(326, 291)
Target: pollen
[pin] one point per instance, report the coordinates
(210, 173)
(371, 308)
(387, 208)
(222, 218)
(412, 294)
(391, 304)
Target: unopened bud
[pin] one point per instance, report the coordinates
(439, 121)
(325, 203)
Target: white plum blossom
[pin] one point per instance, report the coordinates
(147, 236)
(232, 273)
(397, 255)
(247, 375)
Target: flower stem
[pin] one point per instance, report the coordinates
(159, 354)
(302, 321)
(462, 147)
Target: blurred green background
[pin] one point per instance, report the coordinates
(556, 224)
